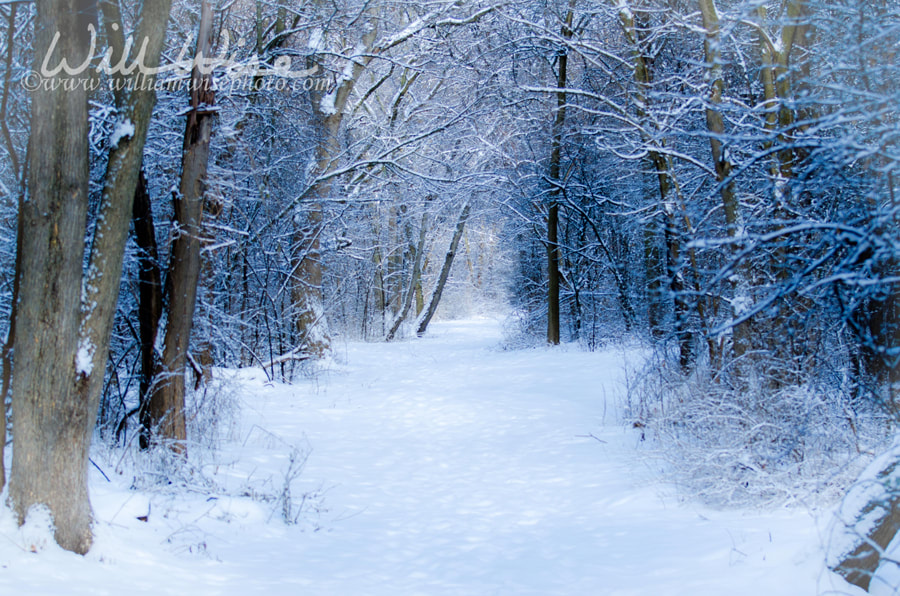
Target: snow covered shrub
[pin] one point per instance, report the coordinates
(212, 416)
(161, 469)
(754, 444)
(305, 507)
(212, 411)
(278, 479)
(524, 329)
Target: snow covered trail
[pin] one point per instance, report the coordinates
(437, 466)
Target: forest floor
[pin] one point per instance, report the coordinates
(443, 465)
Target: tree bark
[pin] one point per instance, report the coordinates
(415, 278)
(54, 426)
(166, 404)
(104, 273)
(150, 300)
(7, 354)
(635, 26)
(740, 287)
(306, 284)
(882, 522)
(445, 271)
(553, 277)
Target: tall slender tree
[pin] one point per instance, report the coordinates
(165, 405)
(559, 122)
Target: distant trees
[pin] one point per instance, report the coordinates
(724, 232)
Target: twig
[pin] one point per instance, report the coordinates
(99, 470)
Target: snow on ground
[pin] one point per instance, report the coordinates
(435, 466)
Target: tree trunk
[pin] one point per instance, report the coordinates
(740, 286)
(635, 27)
(776, 78)
(445, 271)
(876, 523)
(150, 300)
(54, 426)
(306, 286)
(306, 267)
(419, 249)
(101, 287)
(553, 210)
(166, 403)
(8, 345)
(653, 276)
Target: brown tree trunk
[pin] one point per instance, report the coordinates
(882, 522)
(7, 354)
(103, 277)
(306, 268)
(65, 314)
(306, 285)
(553, 276)
(776, 77)
(166, 403)
(150, 299)
(653, 275)
(54, 426)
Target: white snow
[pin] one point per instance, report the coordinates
(327, 106)
(316, 41)
(84, 358)
(624, 10)
(441, 465)
(124, 130)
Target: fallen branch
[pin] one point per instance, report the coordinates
(296, 355)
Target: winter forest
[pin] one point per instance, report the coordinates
(450, 297)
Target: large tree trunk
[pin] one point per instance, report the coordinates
(166, 404)
(66, 315)
(445, 271)
(874, 523)
(306, 268)
(54, 426)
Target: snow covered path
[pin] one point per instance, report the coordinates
(448, 467)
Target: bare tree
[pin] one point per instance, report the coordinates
(435, 298)
(165, 405)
